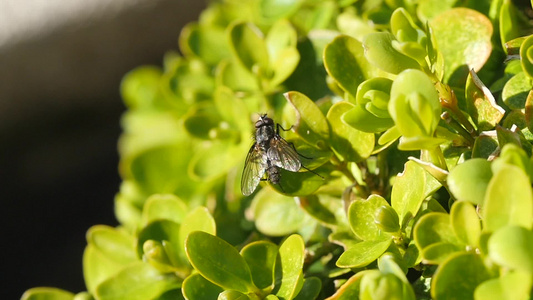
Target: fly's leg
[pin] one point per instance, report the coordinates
(278, 126)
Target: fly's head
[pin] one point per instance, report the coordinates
(264, 121)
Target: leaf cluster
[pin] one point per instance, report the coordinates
(417, 115)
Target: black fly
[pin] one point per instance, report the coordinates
(269, 152)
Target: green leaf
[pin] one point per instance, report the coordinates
(516, 90)
(291, 253)
(380, 53)
(160, 230)
(371, 111)
(115, 244)
(277, 215)
(281, 43)
(140, 88)
(529, 111)
(481, 104)
(301, 183)
(47, 293)
(508, 200)
(248, 46)
(363, 253)
(219, 262)
(510, 247)
(310, 289)
(207, 42)
(361, 215)
(196, 287)
(433, 228)
(468, 181)
(315, 207)
(465, 223)
(163, 207)
(232, 295)
(345, 61)
(277, 9)
(310, 122)
(261, 258)
(464, 38)
(97, 267)
(428, 9)
(437, 253)
(511, 285)
(350, 143)
(526, 56)
(380, 286)
(351, 288)
(458, 277)
(198, 219)
(410, 189)
(137, 281)
(387, 219)
(414, 105)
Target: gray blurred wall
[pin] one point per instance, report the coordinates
(61, 62)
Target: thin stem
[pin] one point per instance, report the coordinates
(455, 125)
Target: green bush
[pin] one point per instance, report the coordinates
(418, 114)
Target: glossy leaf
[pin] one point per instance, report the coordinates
(512, 285)
(137, 281)
(310, 122)
(508, 200)
(345, 61)
(248, 46)
(198, 219)
(219, 262)
(261, 258)
(363, 253)
(434, 228)
(526, 56)
(481, 104)
(291, 253)
(351, 288)
(371, 111)
(438, 252)
(382, 286)
(196, 287)
(281, 45)
(310, 289)
(350, 143)
(380, 53)
(410, 189)
(361, 215)
(515, 91)
(465, 223)
(277, 215)
(207, 42)
(414, 104)
(464, 38)
(468, 181)
(458, 277)
(510, 247)
(115, 244)
(317, 209)
(161, 230)
(98, 267)
(163, 207)
(47, 293)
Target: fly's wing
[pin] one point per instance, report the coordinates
(254, 168)
(283, 155)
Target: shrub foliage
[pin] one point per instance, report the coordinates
(417, 114)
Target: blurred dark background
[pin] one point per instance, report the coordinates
(61, 63)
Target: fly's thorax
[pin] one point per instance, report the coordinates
(264, 134)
